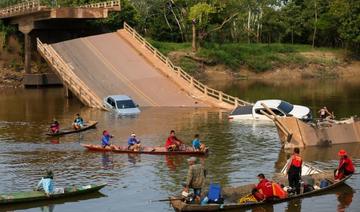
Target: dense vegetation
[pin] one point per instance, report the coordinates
(236, 31)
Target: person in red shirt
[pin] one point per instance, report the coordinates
(294, 170)
(346, 166)
(172, 143)
(263, 190)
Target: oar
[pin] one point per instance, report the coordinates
(166, 200)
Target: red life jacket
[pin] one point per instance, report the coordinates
(349, 165)
(296, 161)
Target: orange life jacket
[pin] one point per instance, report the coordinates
(278, 191)
(296, 161)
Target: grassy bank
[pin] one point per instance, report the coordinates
(256, 57)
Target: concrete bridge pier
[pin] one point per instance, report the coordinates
(26, 30)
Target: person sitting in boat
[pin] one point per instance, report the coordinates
(197, 145)
(78, 122)
(346, 166)
(264, 190)
(105, 139)
(172, 142)
(195, 178)
(294, 170)
(55, 127)
(46, 183)
(134, 143)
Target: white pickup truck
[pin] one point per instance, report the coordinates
(279, 107)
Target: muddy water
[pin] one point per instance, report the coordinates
(239, 151)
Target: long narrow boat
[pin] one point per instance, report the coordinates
(158, 150)
(33, 196)
(70, 130)
(232, 196)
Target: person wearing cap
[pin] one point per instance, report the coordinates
(346, 166)
(55, 126)
(172, 142)
(46, 183)
(78, 122)
(294, 169)
(195, 177)
(105, 139)
(134, 143)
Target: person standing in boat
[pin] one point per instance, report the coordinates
(197, 145)
(172, 142)
(134, 143)
(346, 166)
(78, 122)
(294, 170)
(46, 183)
(55, 127)
(195, 178)
(105, 139)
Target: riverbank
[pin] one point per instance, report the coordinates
(260, 61)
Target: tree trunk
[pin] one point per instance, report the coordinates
(315, 25)
(248, 25)
(292, 36)
(193, 37)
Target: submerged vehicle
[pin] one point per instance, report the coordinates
(279, 107)
(121, 104)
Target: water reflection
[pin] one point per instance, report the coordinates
(134, 158)
(107, 160)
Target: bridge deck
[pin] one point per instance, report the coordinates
(108, 65)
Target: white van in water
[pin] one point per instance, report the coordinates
(279, 107)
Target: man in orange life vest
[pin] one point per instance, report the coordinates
(294, 170)
(345, 168)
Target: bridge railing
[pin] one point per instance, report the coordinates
(210, 92)
(26, 6)
(70, 80)
(107, 4)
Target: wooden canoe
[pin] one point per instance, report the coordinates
(232, 195)
(158, 150)
(70, 130)
(34, 196)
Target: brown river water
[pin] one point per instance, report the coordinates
(238, 151)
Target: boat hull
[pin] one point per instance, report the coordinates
(145, 150)
(32, 196)
(179, 205)
(90, 125)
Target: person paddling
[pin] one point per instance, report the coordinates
(172, 142)
(78, 122)
(346, 166)
(197, 145)
(134, 143)
(55, 127)
(46, 183)
(105, 139)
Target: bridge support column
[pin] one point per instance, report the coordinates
(27, 61)
(26, 28)
(67, 92)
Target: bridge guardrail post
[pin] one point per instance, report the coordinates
(220, 95)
